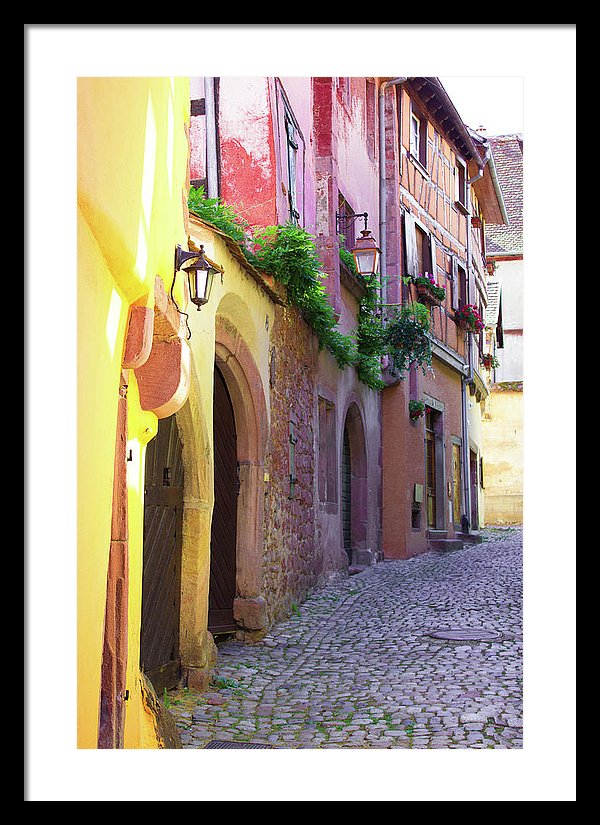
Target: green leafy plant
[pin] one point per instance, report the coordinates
(416, 409)
(347, 258)
(408, 337)
(288, 253)
(167, 701)
(217, 213)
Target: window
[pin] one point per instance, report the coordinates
(292, 166)
(460, 180)
(346, 223)
(415, 131)
(419, 247)
(327, 452)
(423, 251)
(459, 285)
(418, 138)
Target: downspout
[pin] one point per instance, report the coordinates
(212, 167)
(468, 376)
(397, 81)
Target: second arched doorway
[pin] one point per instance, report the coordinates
(223, 543)
(354, 487)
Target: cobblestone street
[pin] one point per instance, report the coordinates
(424, 654)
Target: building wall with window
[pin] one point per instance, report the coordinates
(435, 189)
(345, 130)
(503, 418)
(301, 150)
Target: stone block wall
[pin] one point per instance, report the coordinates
(291, 561)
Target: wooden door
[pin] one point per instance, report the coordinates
(224, 520)
(474, 491)
(430, 472)
(457, 485)
(347, 495)
(161, 578)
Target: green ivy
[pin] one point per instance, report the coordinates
(217, 213)
(288, 253)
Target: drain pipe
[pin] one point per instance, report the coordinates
(396, 81)
(212, 163)
(468, 377)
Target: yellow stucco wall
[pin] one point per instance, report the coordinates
(131, 188)
(502, 428)
(239, 305)
(476, 445)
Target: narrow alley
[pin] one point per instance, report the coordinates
(421, 653)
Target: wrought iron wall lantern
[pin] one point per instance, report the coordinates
(366, 252)
(200, 272)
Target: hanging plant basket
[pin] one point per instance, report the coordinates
(407, 338)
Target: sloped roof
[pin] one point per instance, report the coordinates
(507, 151)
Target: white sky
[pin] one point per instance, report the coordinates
(493, 102)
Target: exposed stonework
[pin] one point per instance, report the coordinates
(292, 559)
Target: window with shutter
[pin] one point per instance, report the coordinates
(432, 257)
(460, 178)
(410, 245)
(455, 294)
(292, 158)
(327, 452)
(418, 138)
(459, 285)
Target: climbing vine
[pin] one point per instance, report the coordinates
(288, 253)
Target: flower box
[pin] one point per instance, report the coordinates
(428, 291)
(489, 361)
(468, 317)
(425, 296)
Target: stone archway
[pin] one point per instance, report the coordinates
(245, 387)
(196, 646)
(354, 466)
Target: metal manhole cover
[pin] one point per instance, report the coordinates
(465, 634)
(222, 743)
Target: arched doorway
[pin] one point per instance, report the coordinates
(223, 543)
(354, 487)
(346, 496)
(161, 576)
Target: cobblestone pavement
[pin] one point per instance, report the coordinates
(358, 664)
